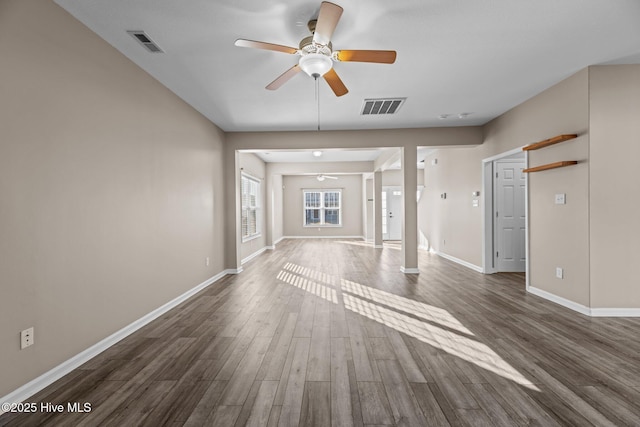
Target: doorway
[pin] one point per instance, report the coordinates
(509, 229)
(505, 236)
(391, 213)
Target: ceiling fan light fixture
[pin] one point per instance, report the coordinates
(320, 178)
(315, 64)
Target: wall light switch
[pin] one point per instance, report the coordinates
(561, 199)
(559, 273)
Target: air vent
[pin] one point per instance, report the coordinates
(381, 106)
(145, 41)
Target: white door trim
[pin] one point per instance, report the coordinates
(487, 212)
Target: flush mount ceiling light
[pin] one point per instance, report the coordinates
(315, 64)
(317, 153)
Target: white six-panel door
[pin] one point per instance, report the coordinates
(510, 221)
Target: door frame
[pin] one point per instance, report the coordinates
(488, 212)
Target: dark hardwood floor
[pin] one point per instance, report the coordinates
(322, 332)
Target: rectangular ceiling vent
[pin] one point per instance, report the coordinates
(145, 41)
(381, 106)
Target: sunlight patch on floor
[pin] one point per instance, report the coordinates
(437, 328)
(312, 274)
(425, 311)
(462, 347)
(310, 286)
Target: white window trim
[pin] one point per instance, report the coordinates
(322, 208)
(258, 207)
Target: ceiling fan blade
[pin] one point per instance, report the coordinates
(265, 46)
(378, 56)
(330, 177)
(284, 77)
(335, 83)
(327, 21)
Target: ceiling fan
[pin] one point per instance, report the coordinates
(321, 177)
(317, 54)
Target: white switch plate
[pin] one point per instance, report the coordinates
(561, 199)
(475, 203)
(559, 273)
(26, 338)
(206, 261)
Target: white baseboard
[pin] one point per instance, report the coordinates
(49, 377)
(412, 270)
(615, 312)
(324, 237)
(460, 261)
(255, 254)
(559, 300)
(592, 312)
(273, 247)
(378, 246)
(234, 270)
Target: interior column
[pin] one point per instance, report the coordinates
(377, 209)
(409, 162)
(268, 208)
(233, 205)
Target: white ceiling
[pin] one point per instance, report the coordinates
(456, 56)
(340, 155)
(332, 156)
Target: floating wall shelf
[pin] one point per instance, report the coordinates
(551, 166)
(550, 141)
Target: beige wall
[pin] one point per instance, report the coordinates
(110, 190)
(452, 225)
(558, 234)
(255, 167)
(393, 178)
(351, 186)
(470, 135)
(277, 206)
(614, 207)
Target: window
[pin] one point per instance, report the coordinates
(250, 189)
(322, 208)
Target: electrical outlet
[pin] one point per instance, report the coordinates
(561, 199)
(26, 338)
(559, 273)
(206, 261)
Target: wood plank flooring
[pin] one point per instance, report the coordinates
(329, 332)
